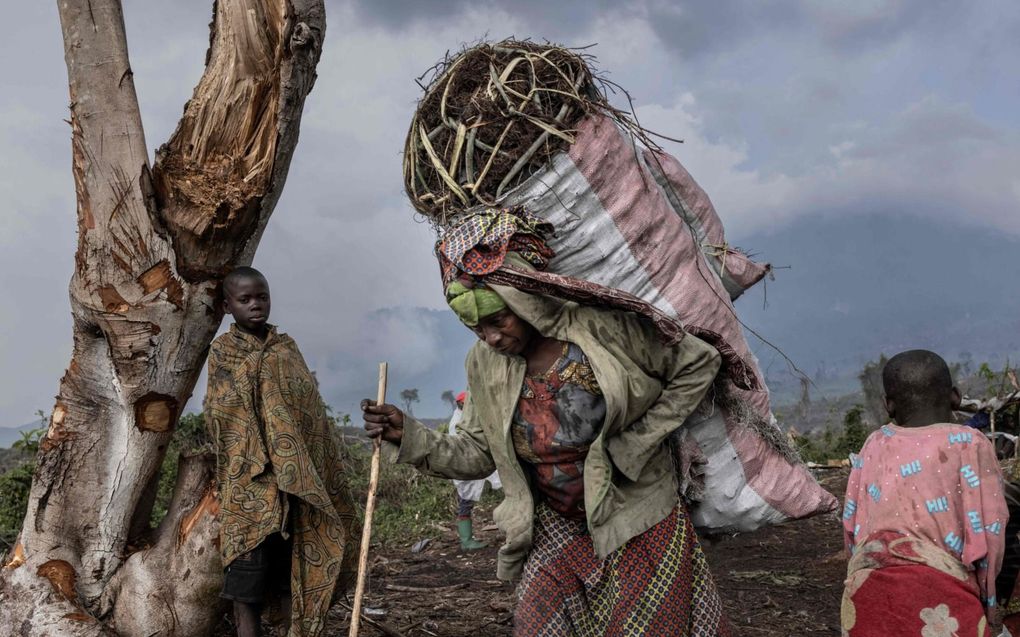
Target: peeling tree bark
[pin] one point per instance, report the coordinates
(153, 246)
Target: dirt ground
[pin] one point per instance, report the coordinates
(785, 580)
(779, 581)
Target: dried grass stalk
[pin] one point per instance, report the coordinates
(491, 116)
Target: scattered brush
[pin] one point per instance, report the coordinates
(492, 116)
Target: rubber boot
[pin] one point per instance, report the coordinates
(467, 542)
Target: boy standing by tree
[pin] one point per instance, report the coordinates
(285, 510)
(924, 517)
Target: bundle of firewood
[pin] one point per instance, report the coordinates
(491, 116)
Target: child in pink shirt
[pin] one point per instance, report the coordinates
(924, 516)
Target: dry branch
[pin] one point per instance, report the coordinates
(493, 115)
(366, 532)
(425, 589)
(382, 627)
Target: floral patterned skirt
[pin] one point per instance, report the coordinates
(898, 585)
(656, 585)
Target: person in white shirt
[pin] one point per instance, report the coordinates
(468, 491)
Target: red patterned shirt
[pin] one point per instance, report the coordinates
(559, 414)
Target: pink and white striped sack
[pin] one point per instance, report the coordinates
(637, 221)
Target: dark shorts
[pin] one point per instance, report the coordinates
(464, 508)
(262, 570)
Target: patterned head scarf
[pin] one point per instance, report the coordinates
(479, 243)
(472, 304)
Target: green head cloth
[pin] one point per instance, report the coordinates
(472, 304)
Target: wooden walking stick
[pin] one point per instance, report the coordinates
(366, 531)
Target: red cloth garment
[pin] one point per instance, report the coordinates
(904, 586)
(558, 415)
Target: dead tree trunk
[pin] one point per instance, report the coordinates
(153, 246)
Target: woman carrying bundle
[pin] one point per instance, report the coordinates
(573, 405)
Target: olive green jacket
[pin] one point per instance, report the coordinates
(629, 482)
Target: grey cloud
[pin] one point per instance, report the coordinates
(37, 215)
(167, 42)
(690, 28)
(926, 126)
(335, 176)
(790, 96)
(693, 29)
(934, 158)
(424, 348)
(543, 18)
(398, 14)
(849, 26)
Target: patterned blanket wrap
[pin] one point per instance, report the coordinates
(278, 468)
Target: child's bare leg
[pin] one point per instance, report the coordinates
(285, 608)
(247, 618)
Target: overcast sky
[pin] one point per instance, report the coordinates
(788, 109)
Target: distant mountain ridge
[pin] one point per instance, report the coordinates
(859, 285)
(10, 435)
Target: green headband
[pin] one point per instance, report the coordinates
(472, 304)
